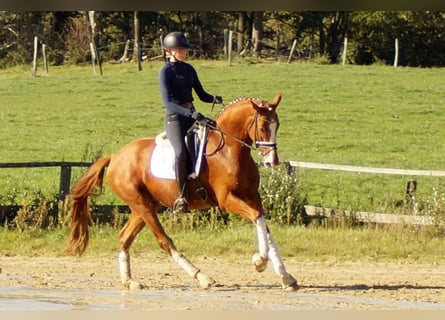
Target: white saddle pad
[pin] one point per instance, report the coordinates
(162, 162)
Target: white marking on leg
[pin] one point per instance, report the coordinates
(260, 259)
(275, 257)
(184, 263)
(288, 282)
(194, 272)
(263, 245)
(124, 267)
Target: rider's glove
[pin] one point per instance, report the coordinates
(218, 99)
(197, 116)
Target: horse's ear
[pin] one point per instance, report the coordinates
(264, 105)
(274, 103)
(277, 99)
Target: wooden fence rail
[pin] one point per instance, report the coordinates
(402, 172)
(65, 172)
(65, 182)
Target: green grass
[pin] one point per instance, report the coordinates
(366, 244)
(356, 115)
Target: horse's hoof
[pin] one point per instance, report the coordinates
(292, 287)
(288, 283)
(205, 281)
(135, 286)
(259, 262)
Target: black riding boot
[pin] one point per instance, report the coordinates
(180, 205)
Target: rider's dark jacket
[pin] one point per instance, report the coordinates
(177, 79)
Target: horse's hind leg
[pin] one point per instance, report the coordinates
(126, 236)
(166, 243)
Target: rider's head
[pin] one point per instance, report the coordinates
(176, 45)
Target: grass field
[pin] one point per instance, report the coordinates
(356, 115)
(308, 244)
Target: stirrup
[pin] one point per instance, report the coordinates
(180, 206)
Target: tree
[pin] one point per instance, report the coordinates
(371, 35)
(257, 32)
(421, 37)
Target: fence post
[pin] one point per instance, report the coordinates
(292, 50)
(226, 42)
(65, 181)
(230, 47)
(277, 46)
(34, 59)
(45, 61)
(396, 54)
(345, 51)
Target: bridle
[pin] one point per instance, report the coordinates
(257, 143)
(263, 144)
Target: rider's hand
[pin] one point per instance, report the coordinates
(218, 99)
(208, 121)
(197, 116)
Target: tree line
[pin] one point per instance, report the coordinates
(262, 34)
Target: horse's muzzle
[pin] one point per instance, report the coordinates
(270, 158)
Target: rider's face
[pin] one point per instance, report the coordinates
(179, 54)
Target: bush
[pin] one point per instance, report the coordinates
(15, 57)
(283, 199)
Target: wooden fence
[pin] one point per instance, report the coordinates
(402, 172)
(8, 212)
(65, 172)
(370, 216)
(66, 168)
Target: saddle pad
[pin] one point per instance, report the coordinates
(162, 162)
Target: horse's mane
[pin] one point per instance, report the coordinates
(240, 99)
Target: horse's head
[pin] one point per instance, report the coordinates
(264, 130)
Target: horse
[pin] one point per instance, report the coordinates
(229, 175)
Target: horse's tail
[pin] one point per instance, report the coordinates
(80, 213)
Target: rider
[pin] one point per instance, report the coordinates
(177, 79)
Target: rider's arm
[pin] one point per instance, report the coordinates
(166, 95)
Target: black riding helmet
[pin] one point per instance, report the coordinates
(176, 40)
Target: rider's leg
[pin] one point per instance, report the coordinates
(176, 127)
(181, 167)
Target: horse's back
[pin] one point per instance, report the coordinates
(128, 165)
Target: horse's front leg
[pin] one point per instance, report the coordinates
(268, 250)
(288, 282)
(260, 259)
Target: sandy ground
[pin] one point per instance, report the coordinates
(90, 283)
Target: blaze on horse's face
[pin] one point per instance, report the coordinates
(265, 131)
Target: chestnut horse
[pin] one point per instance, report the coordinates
(229, 174)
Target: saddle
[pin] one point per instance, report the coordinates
(162, 162)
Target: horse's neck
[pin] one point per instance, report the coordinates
(236, 123)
